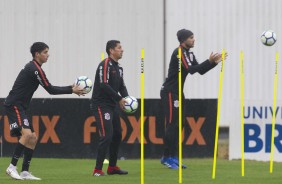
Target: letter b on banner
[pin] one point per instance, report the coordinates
(254, 142)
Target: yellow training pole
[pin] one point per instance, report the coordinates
(106, 161)
(180, 114)
(242, 92)
(142, 116)
(218, 114)
(274, 112)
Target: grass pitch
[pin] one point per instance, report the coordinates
(79, 171)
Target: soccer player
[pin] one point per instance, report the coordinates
(107, 97)
(169, 92)
(17, 103)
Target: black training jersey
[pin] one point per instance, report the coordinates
(28, 81)
(109, 87)
(189, 65)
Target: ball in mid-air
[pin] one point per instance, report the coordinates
(268, 38)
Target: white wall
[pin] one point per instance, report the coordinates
(234, 25)
(77, 32)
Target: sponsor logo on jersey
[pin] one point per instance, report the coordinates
(101, 74)
(38, 78)
(191, 56)
(120, 72)
(14, 125)
(176, 103)
(187, 59)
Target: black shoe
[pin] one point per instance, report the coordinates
(115, 170)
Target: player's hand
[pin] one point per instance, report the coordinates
(217, 58)
(122, 103)
(77, 90)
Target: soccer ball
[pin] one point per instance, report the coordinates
(131, 104)
(268, 38)
(84, 83)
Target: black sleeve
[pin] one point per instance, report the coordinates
(44, 82)
(123, 89)
(202, 68)
(104, 71)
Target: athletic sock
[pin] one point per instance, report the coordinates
(17, 153)
(166, 153)
(27, 158)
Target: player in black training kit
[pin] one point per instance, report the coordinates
(18, 102)
(169, 92)
(110, 91)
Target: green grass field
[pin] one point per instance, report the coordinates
(70, 171)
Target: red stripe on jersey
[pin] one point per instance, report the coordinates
(183, 58)
(170, 107)
(18, 115)
(102, 122)
(184, 61)
(105, 70)
(41, 73)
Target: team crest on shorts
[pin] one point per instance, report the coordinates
(14, 125)
(26, 123)
(107, 116)
(176, 104)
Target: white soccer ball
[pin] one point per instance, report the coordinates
(268, 38)
(84, 83)
(131, 104)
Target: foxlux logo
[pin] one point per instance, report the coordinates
(255, 139)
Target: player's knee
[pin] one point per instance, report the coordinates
(109, 138)
(171, 128)
(117, 137)
(106, 139)
(32, 138)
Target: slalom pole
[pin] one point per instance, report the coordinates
(142, 116)
(218, 113)
(274, 112)
(242, 94)
(106, 161)
(180, 114)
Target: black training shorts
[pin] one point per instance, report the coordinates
(17, 120)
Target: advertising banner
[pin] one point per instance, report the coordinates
(66, 128)
(257, 133)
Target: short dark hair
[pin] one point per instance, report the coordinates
(111, 45)
(38, 47)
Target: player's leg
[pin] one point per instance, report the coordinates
(175, 145)
(104, 118)
(174, 149)
(15, 131)
(169, 110)
(114, 146)
(20, 127)
(29, 140)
